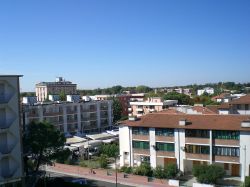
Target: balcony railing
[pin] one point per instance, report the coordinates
(141, 151)
(140, 137)
(164, 138)
(226, 158)
(165, 153)
(194, 156)
(226, 142)
(197, 140)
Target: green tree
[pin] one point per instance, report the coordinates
(62, 96)
(43, 142)
(117, 109)
(208, 174)
(143, 89)
(111, 150)
(182, 98)
(103, 160)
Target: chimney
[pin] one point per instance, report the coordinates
(245, 124)
(182, 122)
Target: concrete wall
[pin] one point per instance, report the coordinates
(244, 153)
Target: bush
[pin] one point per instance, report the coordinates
(247, 182)
(111, 150)
(208, 174)
(170, 171)
(103, 160)
(158, 172)
(126, 169)
(144, 169)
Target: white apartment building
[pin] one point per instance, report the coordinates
(237, 106)
(153, 104)
(207, 90)
(11, 164)
(73, 118)
(187, 140)
(43, 89)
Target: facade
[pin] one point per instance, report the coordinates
(187, 140)
(124, 101)
(207, 90)
(237, 106)
(73, 118)
(43, 89)
(154, 104)
(11, 165)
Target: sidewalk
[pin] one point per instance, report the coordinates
(101, 175)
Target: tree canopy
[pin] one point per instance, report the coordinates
(182, 98)
(117, 109)
(43, 143)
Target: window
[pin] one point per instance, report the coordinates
(164, 132)
(197, 133)
(226, 166)
(140, 145)
(197, 149)
(140, 131)
(165, 146)
(226, 151)
(230, 135)
(246, 107)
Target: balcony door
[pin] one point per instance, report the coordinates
(235, 170)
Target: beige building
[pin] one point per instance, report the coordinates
(11, 165)
(43, 89)
(153, 104)
(73, 118)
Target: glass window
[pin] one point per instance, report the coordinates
(140, 145)
(197, 133)
(197, 149)
(226, 151)
(140, 131)
(164, 132)
(164, 146)
(233, 135)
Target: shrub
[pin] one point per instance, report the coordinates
(170, 171)
(144, 169)
(103, 160)
(126, 169)
(247, 182)
(208, 174)
(159, 172)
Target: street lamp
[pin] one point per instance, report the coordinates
(116, 170)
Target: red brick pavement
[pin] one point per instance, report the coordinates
(101, 174)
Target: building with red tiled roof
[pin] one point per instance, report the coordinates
(186, 140)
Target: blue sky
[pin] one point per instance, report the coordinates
(100, 43)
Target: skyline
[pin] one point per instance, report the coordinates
(98, 44)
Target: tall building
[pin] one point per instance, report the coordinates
(43, 89)
(187, 140)
(11, 165)
(73, 118)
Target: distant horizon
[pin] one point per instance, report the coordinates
(147, 85)
(97, 44)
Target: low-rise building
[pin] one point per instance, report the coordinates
(208, 90)
(153, 104)
(73, 118)
(187, 140)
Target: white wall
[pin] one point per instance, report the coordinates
(244, 153)
(124, 143)
(152, 149)
(179, 135)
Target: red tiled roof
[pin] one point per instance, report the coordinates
(224, 106)
(203, 110)
(242, 100)
(213, 108)
(213, 122)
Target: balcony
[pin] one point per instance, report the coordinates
(130, 109)
(197, 140)
(226, 159)
(194, 156)
(140, 137)
(165, 153)
(152, 110)
(164, 138)
(141, 151)
(227, 142)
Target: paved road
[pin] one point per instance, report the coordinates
(92, 183)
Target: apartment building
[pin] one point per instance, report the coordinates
(43, 89)
(207, 90)
(153, 104)
(237, 106)
(73, 118)
(187, 140)
(11, 165)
